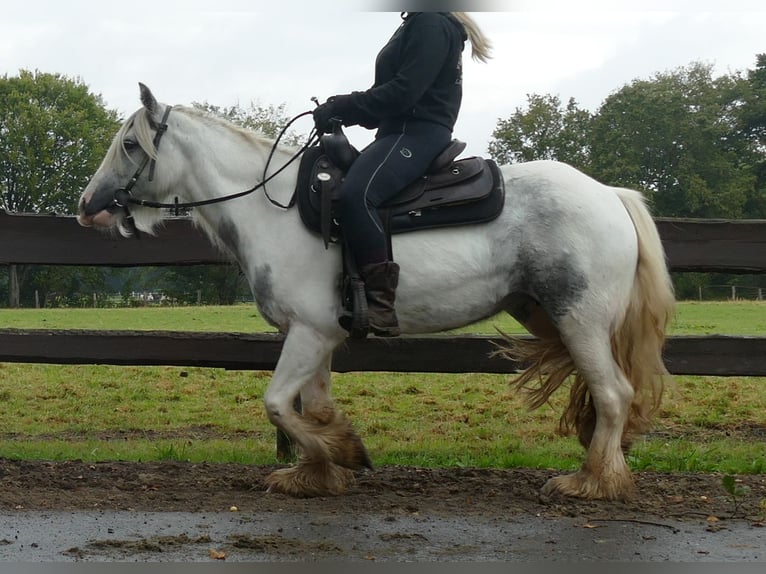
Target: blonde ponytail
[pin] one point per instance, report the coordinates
(481, 47)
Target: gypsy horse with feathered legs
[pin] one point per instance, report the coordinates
(578, 263)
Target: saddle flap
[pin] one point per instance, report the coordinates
(464, 180)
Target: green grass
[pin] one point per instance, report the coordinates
(720, 318)
(100, 412)
(693, 318)
(234, 318)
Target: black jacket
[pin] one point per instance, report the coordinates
(418, 75)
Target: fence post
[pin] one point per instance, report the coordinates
(14, 299)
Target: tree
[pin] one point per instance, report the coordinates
(752, 121)
(53, 134)
(752, 114)
(675, 136)
(58, 286)
(215, 284)
(544, 130)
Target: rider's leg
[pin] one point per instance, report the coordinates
(383, 169)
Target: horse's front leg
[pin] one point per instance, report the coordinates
(327, 444)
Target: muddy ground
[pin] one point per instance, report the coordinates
(392, 506)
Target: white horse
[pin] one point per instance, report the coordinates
(578, 263)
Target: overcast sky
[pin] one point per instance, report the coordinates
(228, 52)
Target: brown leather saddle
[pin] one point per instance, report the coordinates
(452, 192)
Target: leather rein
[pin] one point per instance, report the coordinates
(123, 196)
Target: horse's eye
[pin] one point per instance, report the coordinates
(130, 144)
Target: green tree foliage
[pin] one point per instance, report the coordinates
(752, 121)
(544, 130)
(676, 137)
(215, 284)
(53, 134)
(696, 144)
(57, 286)
(752, 114)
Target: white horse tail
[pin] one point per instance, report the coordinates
(638, 341)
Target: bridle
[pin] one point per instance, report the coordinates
(123, 197)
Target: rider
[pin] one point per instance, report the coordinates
(413, 103)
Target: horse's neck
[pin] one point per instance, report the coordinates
(233, 161)
(226, 160)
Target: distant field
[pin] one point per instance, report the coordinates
(98, 412)
(740, 318)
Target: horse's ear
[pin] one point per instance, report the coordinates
(148, 99)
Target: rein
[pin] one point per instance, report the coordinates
(123, 196)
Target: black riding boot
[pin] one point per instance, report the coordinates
(380, 281)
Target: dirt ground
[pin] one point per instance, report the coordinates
(176, 486)
(384, 496)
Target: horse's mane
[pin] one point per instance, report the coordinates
(143, 126)
(251, 135)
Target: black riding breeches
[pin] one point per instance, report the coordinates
(384, 168)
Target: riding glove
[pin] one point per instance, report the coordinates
(323, 113)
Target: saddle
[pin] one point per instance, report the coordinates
(451, 192)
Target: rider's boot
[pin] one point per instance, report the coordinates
(380, 281)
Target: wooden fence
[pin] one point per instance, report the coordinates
(691, 245)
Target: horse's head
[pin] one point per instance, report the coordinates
(128, 171)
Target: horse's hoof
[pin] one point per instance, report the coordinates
(306, 480)
(584, 485)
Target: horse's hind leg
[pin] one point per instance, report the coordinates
(328, 445)
(605, 474)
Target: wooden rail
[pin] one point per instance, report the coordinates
(730, 246)
(685, 355)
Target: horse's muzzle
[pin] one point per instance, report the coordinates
(92, 212)
(95, 203)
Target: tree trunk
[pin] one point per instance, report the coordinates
(13, 287)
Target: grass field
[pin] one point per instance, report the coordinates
(693, 318)
(97, 412)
